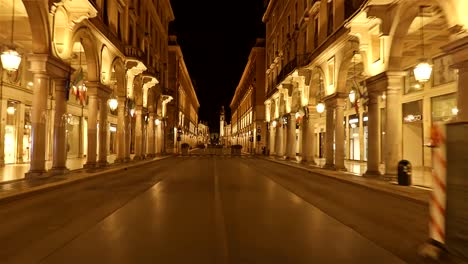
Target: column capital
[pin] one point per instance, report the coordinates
(46, 64)
(99, 89)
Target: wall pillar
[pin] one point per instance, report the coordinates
(393, 133)
(291, 137)
(272, 139)
(339, 135)
(150, 136)
(138, 133)
(375, 86)
(38, 115)
(329, 134)
(103, 128)
(121, 130)
(92, 131)
(279, 140)
(308, 138)
(59, 156)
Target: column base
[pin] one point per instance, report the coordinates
(119, 161)
(89, 165)
(139, 157)
(308, 162)
(127, 159)
(340, 168)
(35, 174)
(58, 171)
(102, 164)
(372, 174)
(329, 166)
(150, 156)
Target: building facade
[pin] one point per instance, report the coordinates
(90, 82)
(248, 127)
(344, 80)
(182, 113)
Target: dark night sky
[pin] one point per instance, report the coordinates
(216, 38)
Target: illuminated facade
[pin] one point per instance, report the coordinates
(357, 58)
(248, 127)
(76, 57)
(183, 110)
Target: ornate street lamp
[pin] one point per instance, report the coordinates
(157, 121)
(320, 107)
(352, 96)
(11, 59)
(422, 71)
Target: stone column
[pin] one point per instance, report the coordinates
(308, 139)
(128, 136)
(373, 148)
(329, 134)
(121, 130)
(92, 131)
(38, 115)
(339, 134)
(393, 134)
(150, 136)
(3, 117)
(272, 139)
(158, 140)
(59, 156)
(279, 140)
(291, 137)
(103, 128)
(20, 109)
(361, 132)
(138, 133)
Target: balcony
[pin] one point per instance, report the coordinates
(301, 60)
(134, 52)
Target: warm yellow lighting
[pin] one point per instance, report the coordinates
(10, 110)
(422, 72)
(454, 111)
(11, 60)
(132, 112)
(320, 107)
(113, 103)
(352, 96)
(157, 122)
(274, 123)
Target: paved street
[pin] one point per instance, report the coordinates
(212, 209)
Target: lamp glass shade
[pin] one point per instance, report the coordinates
(10, 110)
(352, 96)
(320, 107)
(157, 122)
(422, 72)
(273, 124)
(11, 60)
(132, 112)
(113, 103)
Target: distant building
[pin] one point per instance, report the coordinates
(247, 106)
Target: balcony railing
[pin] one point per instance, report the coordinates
(134, 52)
(301, 60)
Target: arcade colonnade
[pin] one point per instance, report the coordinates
(347, 90)
(88, 85)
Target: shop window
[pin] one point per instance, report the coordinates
(442, 73)
(410, 84)
(444, 107)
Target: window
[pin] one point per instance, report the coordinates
(316, 31)
(330, 17)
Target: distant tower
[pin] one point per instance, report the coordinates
(221, 123)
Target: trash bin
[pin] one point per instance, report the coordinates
(404, 173)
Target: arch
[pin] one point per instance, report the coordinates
(83, 36)
(351, 48)
(316, 86)
(38, 14)
(61, 33)
(106, 64)
(118, 75)
(406, 12)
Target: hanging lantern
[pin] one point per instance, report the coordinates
(11, 60)
(113, 103)
(352, 96)
(422, 72)
(320, 107)
(157, 122)
(10, 110)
